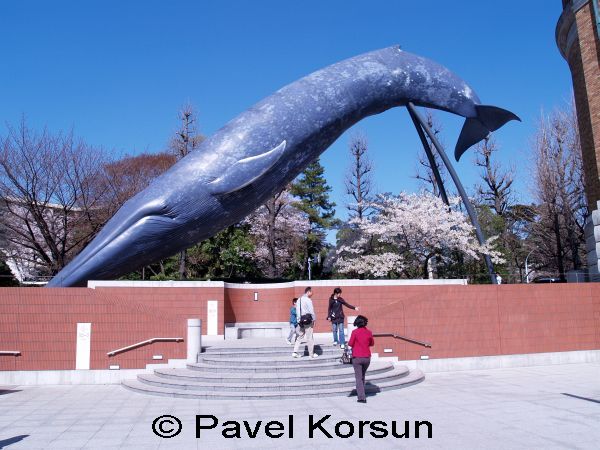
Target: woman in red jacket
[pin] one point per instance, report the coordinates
(360, 341)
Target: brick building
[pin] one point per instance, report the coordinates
(577, 34)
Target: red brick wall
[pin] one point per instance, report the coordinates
(273, 305)
(459, 321)
(42, 325)
(183, 303)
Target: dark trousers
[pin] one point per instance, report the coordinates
(360, 369)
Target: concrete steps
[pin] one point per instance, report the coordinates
(267, 352)
(269, 372)
(344, 371)
(273, 361)
(303, 364)
(268, 385)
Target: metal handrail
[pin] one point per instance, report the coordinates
(139, 344)
(397, 336)
(10, 352)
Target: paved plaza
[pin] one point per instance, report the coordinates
(532, 407)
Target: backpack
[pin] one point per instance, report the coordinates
(305, 319)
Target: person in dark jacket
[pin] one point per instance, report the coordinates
(291, 339)
(335, 313)
(361, 340)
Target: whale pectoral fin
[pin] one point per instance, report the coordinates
(245, 171)
(489, 118)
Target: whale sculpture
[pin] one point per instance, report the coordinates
(260, 151)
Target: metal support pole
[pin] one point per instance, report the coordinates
(431, 158)
(461, 190)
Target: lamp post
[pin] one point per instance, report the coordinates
(527, 267)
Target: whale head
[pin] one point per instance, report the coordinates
(146, 229)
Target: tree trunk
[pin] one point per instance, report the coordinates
(559, 250)
(182, 264)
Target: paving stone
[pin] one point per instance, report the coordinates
(467, 410)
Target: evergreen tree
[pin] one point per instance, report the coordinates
(226, 255)
(312, 192)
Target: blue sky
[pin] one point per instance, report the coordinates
(117, 72)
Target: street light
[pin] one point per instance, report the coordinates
(527, 267)
(310, 260)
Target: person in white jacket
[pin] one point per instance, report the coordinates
(304, 306)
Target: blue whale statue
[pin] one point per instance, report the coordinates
(260, 151)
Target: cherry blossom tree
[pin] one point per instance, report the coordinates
(405, 233)
(279, 230)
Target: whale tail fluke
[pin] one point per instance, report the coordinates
(489, 118)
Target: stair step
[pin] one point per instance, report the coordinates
(265, 369)
(271, 361)
(345, 370)
(280, 384)
(227, 352)
(293, 365)
(408, 380)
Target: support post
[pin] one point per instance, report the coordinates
(461, 191)
(194, 340)
(430, 157)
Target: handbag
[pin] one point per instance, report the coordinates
(305, 319)
(346, 356)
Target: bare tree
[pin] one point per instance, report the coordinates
(424, 171)
(186, 138)
(359, 183)
(132, 174)
(496, 189)
(50, 195)
(559, 190)
(495, 192)
(185, 141)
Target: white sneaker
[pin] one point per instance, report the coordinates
(295, 355)
(335, 344)
(314, 355)
(342, 346)
(288, 341)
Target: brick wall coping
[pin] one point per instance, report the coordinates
(93, 284)
(300, 283)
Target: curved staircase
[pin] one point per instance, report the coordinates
(269, 372)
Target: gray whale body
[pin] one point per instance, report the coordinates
(263, 149)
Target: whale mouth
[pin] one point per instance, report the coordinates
(140, 222)
(160, 223)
